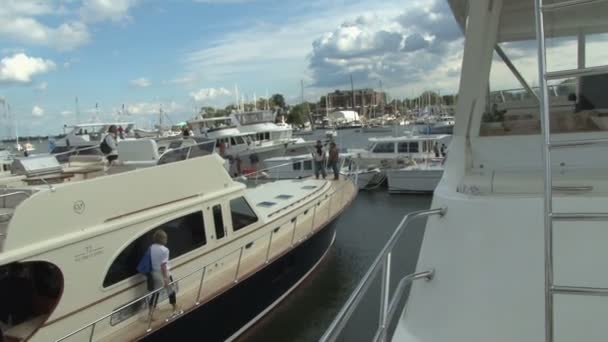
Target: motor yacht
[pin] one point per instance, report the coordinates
(70, 241)
(514, 244)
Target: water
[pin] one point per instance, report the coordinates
(362, 231)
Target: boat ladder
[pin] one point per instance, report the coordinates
(551, 289)
(388, 303)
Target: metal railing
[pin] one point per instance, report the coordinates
(200, 272)
(388, 305)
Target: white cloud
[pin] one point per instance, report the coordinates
(66, 112)
(206, 94)
(101, 10)
(37, 111)
(42, 86)
(141, 82)
(20, 68)
(29, 30)
(143, 108)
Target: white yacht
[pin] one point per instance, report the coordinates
(70, 242)
(394, 152)
(302, 166)
(84, 136)
(515, 242)
(250, 137)
(415, 177)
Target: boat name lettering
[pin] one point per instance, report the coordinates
(88, 252)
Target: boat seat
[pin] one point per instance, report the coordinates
(566, 181)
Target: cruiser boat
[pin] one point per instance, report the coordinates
(515, 242)
(85, 138)
(394, 152)
(415, 177)
(250, 137)
(302, 166)
(231, 246)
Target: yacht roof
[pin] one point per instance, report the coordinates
(430, 137)
(270, 198)
(101, 124)
(517, 20)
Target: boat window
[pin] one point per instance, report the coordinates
(284, 197)
(239, 140)
(402, 147)
(308, 165)
(413, 147)
(309, 187)
(576, 104)
(387, 147)
(185, 234)
(297, 165)
(175, 144)
(232, 141)
(218, 220)
(267, 136)
(242, 214)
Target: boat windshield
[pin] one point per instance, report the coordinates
(255, 117)
(577, 102)
(202, 148)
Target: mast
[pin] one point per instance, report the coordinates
(77, 111)
(236, 96)
(255, 102)
(352, 90)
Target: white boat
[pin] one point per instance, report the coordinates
(415, 178)
(87, 135)
(302, 166)
(227, 242)
(250, 136)
(514, 247)
(377, 129)
(394, 152)
(331, 134)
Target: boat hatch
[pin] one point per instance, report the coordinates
(284, 197)
(266, 204)
(309, 187)
(29, 292)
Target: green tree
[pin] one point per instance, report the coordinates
(298, 114)
(277, 100)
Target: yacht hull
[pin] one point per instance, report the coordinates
(413, 180)
(231, 313)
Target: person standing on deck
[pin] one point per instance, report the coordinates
(319, 158)
(332, 161)
(108, 145)
(161, 275)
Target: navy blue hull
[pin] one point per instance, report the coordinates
(223, 316)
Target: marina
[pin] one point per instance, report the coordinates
(461, 200)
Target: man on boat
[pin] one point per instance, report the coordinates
(319, 157)
(161, 275)
(334, 157)
(108, 145)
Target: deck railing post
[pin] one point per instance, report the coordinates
(384, 296)
(152, 303)
(200, 287)
(92, 333)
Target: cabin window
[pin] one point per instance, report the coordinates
(413, 147)
(266, 204)
(385, 148)
(267, 135)
(284, 197)
(218, 220)
(242, 214)
(185, 234)
(402, 147)
(232, 141)
(308, 165)
(297, 166)
(239, 140)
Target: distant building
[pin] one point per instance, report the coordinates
(366, 102)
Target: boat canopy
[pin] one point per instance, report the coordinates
(517, 21)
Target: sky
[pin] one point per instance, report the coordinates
(92, 57)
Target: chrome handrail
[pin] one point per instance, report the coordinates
(383, 259)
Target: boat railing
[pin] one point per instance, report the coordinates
(147, 299)
(388, 304)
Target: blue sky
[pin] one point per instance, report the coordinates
(182, 54)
